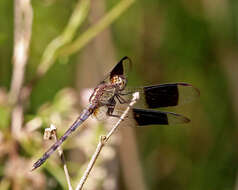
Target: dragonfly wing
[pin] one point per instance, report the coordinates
(144, 117)
(100, 113)
(165, 95)
(123, 67)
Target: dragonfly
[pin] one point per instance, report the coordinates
(112, 91)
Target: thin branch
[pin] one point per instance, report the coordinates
(103, 140)
(50, 134)
(23, 16)
(78, 16)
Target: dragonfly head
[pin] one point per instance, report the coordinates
(120, 81)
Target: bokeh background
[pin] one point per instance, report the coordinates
(51, 51)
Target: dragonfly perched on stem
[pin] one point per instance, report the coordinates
(112, 91)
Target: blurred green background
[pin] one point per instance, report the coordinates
(168, 41)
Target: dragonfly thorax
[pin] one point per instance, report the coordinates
(119, 81)
(102, 94)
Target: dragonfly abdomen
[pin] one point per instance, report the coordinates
(82, 117)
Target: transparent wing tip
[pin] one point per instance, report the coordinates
(174, 118)
(187, 93)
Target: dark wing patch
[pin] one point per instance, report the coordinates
(121, 67)
(166, 95)
(152, 117)
(161, 95)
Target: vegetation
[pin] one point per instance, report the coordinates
(52, 51)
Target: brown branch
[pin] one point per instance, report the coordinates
(103, 140)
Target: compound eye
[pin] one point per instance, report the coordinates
(119, 81)
(122, 83)
(115, 80)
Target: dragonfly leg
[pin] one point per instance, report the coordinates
(114, 115)
(110, 111)
(111, 107)
(122, 100)
(124, 94)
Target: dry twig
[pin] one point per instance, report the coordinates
(50, 134)
(103, 140)
(23, 16)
